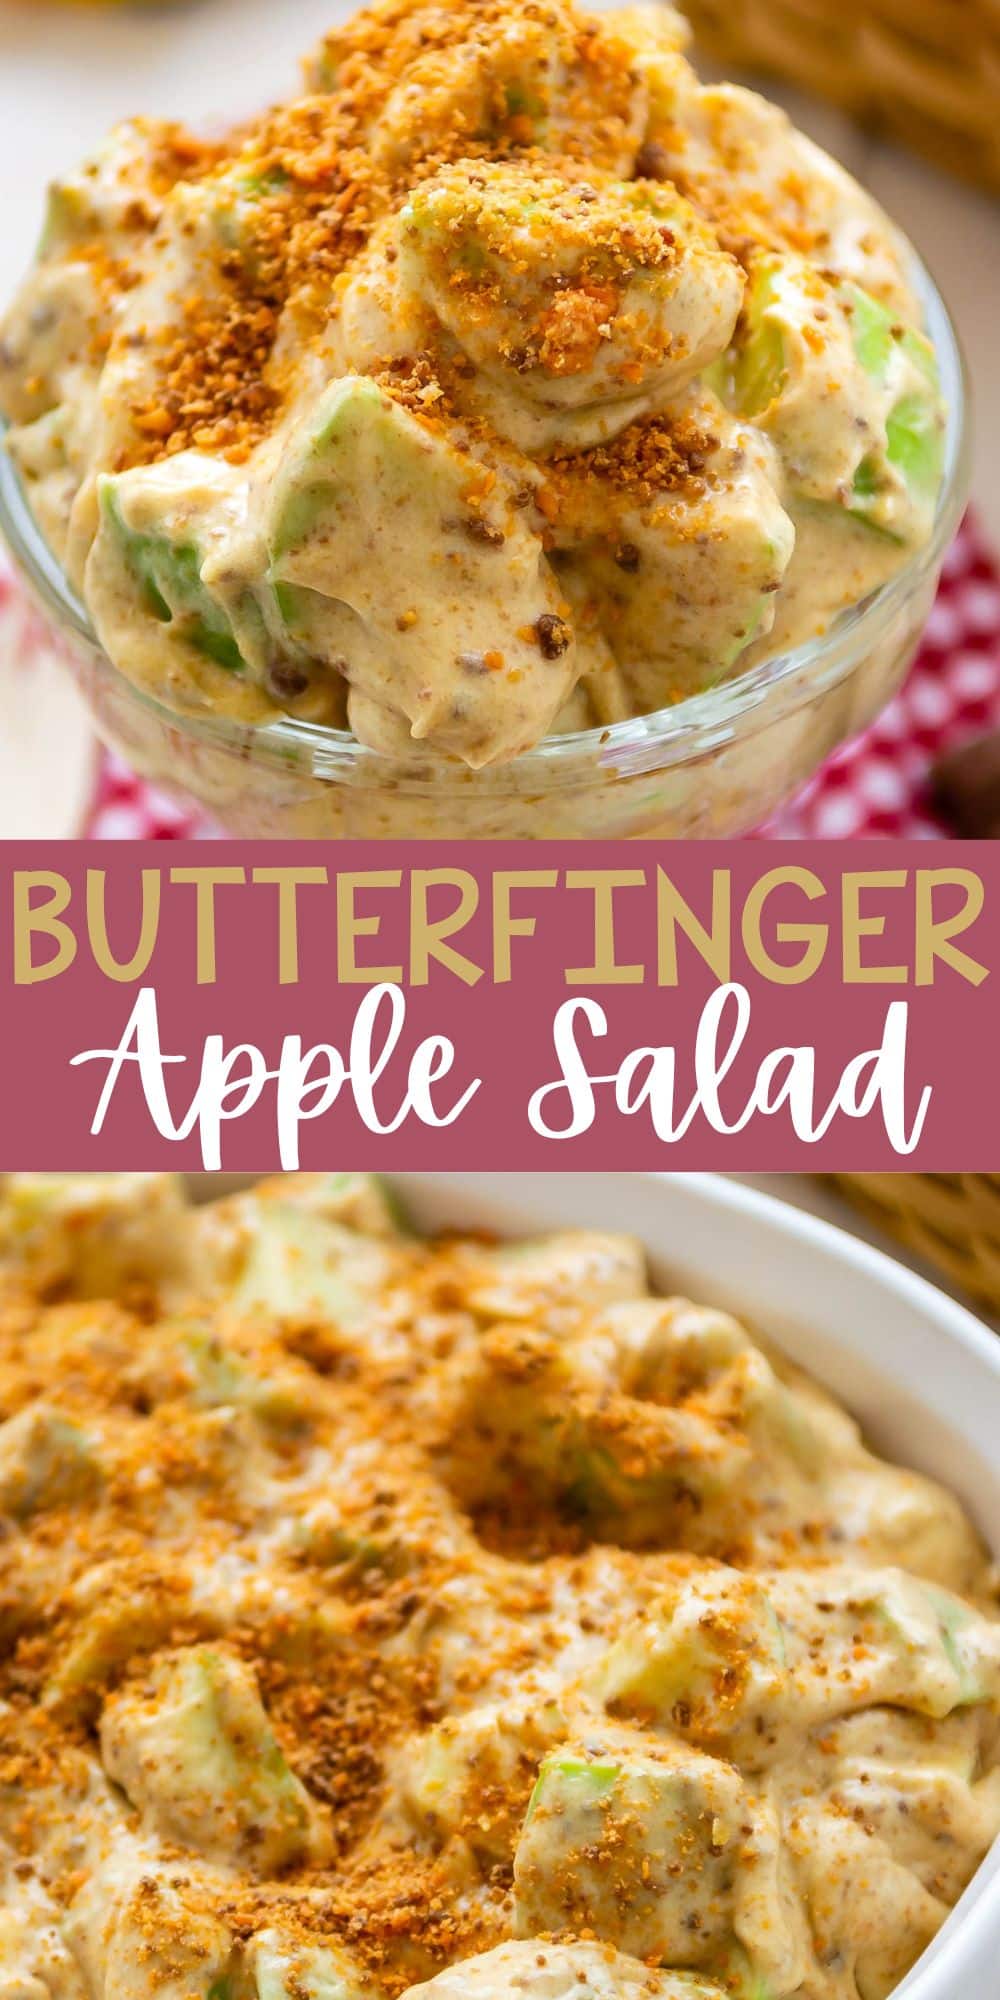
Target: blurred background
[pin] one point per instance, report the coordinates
(928, 68)
(944, 1226)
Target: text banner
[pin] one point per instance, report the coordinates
(253, 1005)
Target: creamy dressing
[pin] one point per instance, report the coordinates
(631, 382)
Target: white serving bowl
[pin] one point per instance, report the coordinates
(920, 1373)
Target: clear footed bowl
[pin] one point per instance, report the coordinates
(716, 764)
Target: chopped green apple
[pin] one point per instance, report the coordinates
(472, 1774)
(415, 620)
(849, 393)
(706, 1659)
(193, 1749)
(518, 1280)
(677, 533)
(583, 1969)
(283, 1968)
(882, 1637)
(92, 1235)
(167, 570)
(46, 1461)
(271, 1253)
(636, 1845)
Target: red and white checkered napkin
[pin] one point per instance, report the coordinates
(875, 787)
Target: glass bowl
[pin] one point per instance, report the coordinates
(716, 764)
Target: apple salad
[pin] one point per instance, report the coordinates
(509, 381)
(454, 1618)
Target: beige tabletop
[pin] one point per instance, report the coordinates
(67, 72)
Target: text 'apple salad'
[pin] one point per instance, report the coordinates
(510, 381)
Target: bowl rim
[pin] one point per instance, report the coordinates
(682, 733)
(967, 1944)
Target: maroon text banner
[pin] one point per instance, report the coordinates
(256, 1005)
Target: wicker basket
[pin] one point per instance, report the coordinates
(925, 71)
(951, 1220)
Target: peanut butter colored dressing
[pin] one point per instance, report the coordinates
(382, 1616)
(509, 381)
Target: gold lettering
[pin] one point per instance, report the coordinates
(204, 882)
(813, 937)
(427, 937)
(856, 927)
(605, 970)
(288, 881)
(674, 914)
(351, 927)
(505, 926)
(933, 935)
(122, 970)
(40, 920)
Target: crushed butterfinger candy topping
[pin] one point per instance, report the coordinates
(390, 1608)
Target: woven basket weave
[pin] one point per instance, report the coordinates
(925, 71)
(951, 1220)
